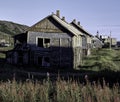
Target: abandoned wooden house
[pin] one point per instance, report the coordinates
(86, 38)
(52, 42)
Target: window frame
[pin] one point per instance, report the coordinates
(45, 44)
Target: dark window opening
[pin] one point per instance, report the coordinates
(45, 43)
(44, 61)
(47, 59)
(20, 57)
(40, 60)
(40, 42)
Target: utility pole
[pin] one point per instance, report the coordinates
(110, 41)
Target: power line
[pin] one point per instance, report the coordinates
(108, 25)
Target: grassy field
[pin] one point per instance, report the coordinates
(102, 59)
(98, 82)
(58, 91)
(101, 63)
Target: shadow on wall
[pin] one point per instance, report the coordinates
(60, 57)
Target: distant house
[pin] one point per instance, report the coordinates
(4, 43)
(52, 42)
(96, 42)
(108, 40)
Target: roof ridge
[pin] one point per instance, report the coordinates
(81, 28)
(67, 25)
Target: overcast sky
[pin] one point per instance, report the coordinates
(101, 15)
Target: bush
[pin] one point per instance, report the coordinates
(102, 60)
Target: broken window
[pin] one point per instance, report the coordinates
(44, 61)
(47, 41)
(44, 42)
(40, 42)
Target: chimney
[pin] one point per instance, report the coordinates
(74, 20)
(78, 23)
(97, 35)
(63, 18)
(58, 13)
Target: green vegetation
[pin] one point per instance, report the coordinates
(103, 59)
(3, 50)
(11, 28)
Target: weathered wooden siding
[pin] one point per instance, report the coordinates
(77, 51)
(60, 51)
(15, 58)
(33, 36)
(46, 25)
(89, 39)
(89, 45)
(84, 42)
(77, 41)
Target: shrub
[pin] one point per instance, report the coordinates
(102, 60)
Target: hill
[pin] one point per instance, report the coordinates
(11, 28)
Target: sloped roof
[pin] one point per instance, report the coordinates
(64, 24)
(67, 26)
(80, 28)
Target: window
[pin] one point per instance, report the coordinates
(44, 61)
(47, 59)
(46, 43)
(43, 42)
(20, 57)
(40, 60)
(84, 41)
(40, 42)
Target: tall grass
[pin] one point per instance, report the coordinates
(58, 91)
